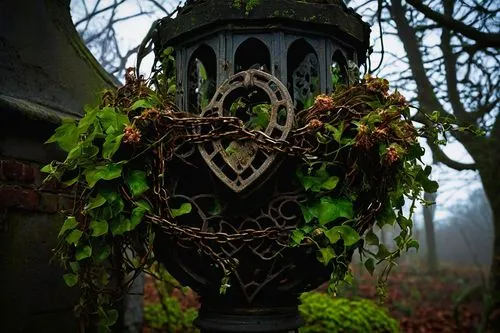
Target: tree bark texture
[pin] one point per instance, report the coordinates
(485, 150)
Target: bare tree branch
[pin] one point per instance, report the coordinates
(96, 12)
(483, 39)
(440, 156)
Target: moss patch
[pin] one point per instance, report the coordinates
(249, 5)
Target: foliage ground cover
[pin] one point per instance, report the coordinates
(175, 311)
(423, 302)
(418, 301)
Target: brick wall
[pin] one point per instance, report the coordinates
(21, 188)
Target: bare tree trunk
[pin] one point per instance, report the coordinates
(491, 309)
(430, 236)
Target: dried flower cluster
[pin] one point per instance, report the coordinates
(131, 135)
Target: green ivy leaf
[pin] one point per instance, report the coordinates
(66, 135)
(144, 204)
(319, 180)
(307, 181)
(297, 236)
(95, 202)
(99, 228)
(336, 132)
(69, 224)
(120, 225)
(382, 252)
(399, 240)
(75, 266)
(330, 183)
(386, 215)
(413, 243)
(185, 208)
(404, 222)
(49, 168)
(331, 209)
(112, 317)
(237, 104)
(136, 217)
(110, 117)
(259, 119)
(327, 254)
(333, 235)
(416, 151)
(70, 182)
(137, 182)
(142, 103)
(83, 252)
(70, 279)
(371, 238)
(428, 185)
(84, 151)
(308, 212)
(105, 172)
(89, 119)
(111, 145)
(102, 253)
(74, 236)
(370, 265)
(307, 229)
(348, 234)
(113, 207)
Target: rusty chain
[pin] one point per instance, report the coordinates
(231, 128)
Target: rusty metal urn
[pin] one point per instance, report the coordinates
(244, 199)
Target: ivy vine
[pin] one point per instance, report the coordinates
(364, 167)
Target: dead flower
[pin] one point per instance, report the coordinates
(131, 135)
(391, 155)
(315, 123)
(323, 103)
(363, 139)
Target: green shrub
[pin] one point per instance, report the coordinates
(324, 314)
(169, 317)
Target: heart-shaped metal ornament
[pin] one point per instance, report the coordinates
(264, 105)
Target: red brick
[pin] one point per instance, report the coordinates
(18, 197)
(30, 173)
(12, 170)
(18, 171)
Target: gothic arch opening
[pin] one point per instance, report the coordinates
(252, 54)
(302, 73)
(202, 77)
(339, 68)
